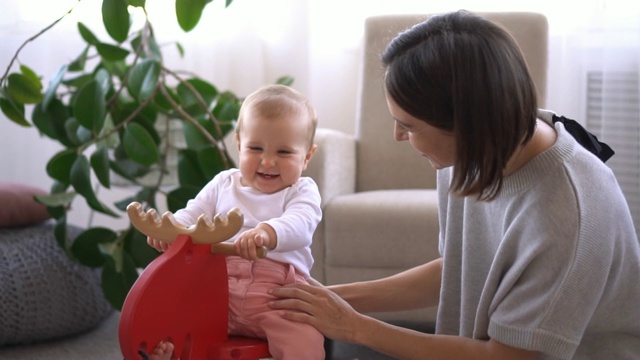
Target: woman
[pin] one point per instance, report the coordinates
(539, 254)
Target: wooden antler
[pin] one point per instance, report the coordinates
(166, 228)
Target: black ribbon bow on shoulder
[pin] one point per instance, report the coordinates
(585, 138)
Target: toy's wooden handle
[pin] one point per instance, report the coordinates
(166, 228)
(228, 249)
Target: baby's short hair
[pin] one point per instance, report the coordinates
(273, 101)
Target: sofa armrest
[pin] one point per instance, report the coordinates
(333, 167)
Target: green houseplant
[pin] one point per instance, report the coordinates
(111, 109)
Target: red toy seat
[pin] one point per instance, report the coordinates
(183, 297)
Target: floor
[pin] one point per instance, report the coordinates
(99, 344)
(102, 344)
(345, 351)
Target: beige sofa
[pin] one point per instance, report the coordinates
(379, 202)
(380, 210)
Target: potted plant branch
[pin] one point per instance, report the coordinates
(111, 109)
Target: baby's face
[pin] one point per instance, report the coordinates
(273, 152)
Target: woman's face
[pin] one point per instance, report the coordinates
(437, 145)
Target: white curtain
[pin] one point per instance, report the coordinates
(611, 58)
(318, 42)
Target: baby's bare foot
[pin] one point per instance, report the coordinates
(163, 351)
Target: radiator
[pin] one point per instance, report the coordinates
(613, 115)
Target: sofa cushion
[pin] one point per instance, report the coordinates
(18, 208)
(375, 229)
(375, 234)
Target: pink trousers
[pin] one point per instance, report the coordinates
(250, 314)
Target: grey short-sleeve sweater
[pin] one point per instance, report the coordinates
(551, 264)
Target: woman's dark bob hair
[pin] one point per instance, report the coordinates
(464, 74)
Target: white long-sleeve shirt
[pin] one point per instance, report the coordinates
(294, 213)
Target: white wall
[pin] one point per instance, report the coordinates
(255, 41)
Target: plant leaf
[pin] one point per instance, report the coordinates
(210, 161)
(180, 49)
(72, 129)
(155, 48)
(137, 3)
(86, 248)
(285, 80)
(77, 134)
(111, 52)
(24, 89)
(79, 63)
(139, 145)
(189, 171)
(81, 181)
(128, 169)
(13, 111)
(51, 121)
(59, 166)
(59, 212)
(103, 78)
(115, 17)
(83, 134)
(136, 43)
(56, 199)
(100, 164)
(135, 243)
(28, 72)
(80, 177)
(206, 90)
(116, 284)
(227, 107)
(194, 138)
(189, 12)
(177, 198)
(144, 79)
(60, 232)
(78, 81)
(55, 81)
(87, 34)
(89, 106)
(161, 100)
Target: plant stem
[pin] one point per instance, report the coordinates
(219, 144)
(33, 38)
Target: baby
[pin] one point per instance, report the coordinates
(275, 137)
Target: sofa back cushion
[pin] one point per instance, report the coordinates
(382, 162)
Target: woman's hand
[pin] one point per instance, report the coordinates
(320, 307)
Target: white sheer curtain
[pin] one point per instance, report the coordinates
(612, 63)
(318, 42)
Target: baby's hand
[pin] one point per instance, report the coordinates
(248, 242)
(158, 245)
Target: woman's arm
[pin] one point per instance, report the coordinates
(402, 343)
(415, 288)
(336, 319)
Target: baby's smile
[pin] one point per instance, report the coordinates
(268, 176)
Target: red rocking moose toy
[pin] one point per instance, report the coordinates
(182, 296)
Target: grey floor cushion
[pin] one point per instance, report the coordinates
(43, 294)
